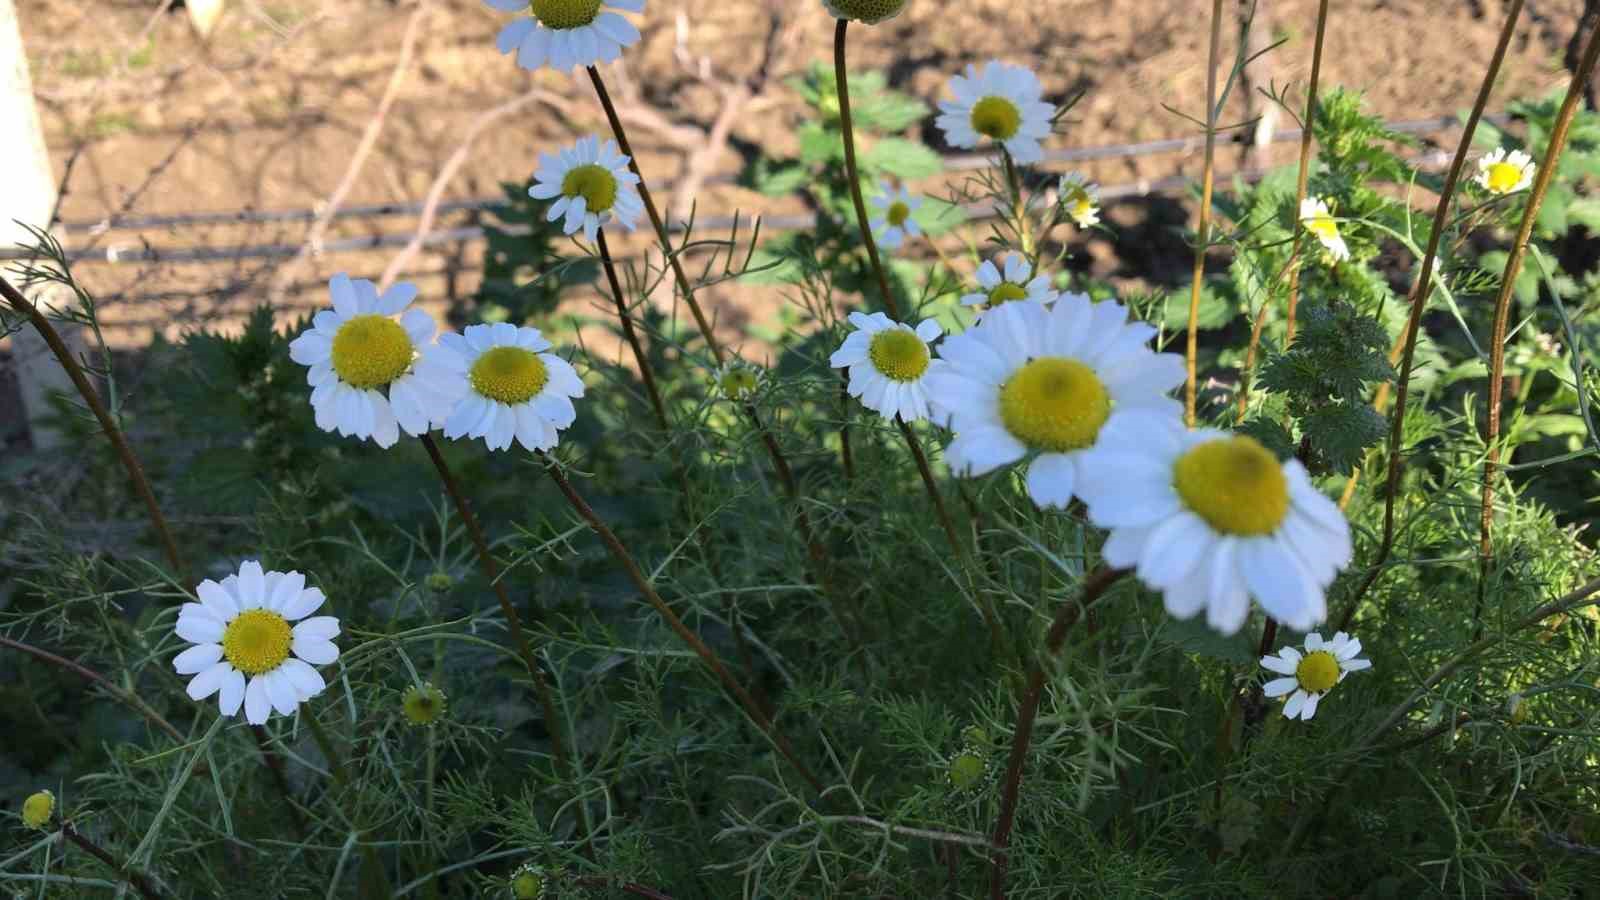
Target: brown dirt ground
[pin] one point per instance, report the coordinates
(267, 114)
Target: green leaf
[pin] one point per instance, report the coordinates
(901, 158)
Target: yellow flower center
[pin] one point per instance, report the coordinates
(371, 351)
(1504, 177)
(1055, 405)
(1235, 485)
(565, 13)
(898, 214)
(511, 375)
(869, 11)
(256, 641)
(966, 770)
(37, 809)
(996, 117)
(1323, 226)
(1079, 205)
(899, 354)
(594, 183)
(1005, 292)
(422, 705)
(1318, 671)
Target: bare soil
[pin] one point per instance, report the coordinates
(267, 114)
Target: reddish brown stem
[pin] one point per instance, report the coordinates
(1305, 165)
(709, 657)
(135, 879)
(842, 78)
(646, 373)
(1094, 587)
(1191, 391)
(91, 398)
(1502, 307)
(95, 677)
(491, 571)
(1419, 302)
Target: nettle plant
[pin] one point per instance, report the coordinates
(955, 597)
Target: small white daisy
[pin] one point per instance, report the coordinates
(889, 363)
(1003, 104)
(242, 626)
(1313, 673)
(566, 33)
(1212, 519)
(591, 186)
(515, 389)
(1034, 380)
(894, 221)
(1079, 199)
(1016, 282)
(1502, 172)
(870, 12)
(1318, 220)
(372, 376)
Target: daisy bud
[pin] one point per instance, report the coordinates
(868, 12)
(422, 704)
(38, 808)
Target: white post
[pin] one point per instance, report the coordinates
(29, 196)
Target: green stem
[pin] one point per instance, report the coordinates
(374, 880)
(1419, 302)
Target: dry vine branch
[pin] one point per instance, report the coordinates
(369, 139)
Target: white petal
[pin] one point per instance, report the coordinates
(257, 705)
(1292, 708)
(199, 630)
(1051, 478)
(197, 659)
(232, 696)
(320, 628)
(1279, 664)
(1277, 687)
(303, 603)
(316, 652)
(307, 681)
(281, 691)
(252, 585)
(217, 601)
(209, 681)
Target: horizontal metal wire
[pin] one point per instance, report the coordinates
(150, 254)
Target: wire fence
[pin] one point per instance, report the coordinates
(146, 253)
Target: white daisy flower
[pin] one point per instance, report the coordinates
(515, 389)
(591, 186)
(566, 33)
(1313, 673)
(1212, 519)
(242, 627)
(1502, 172)
(372, 376)
(1003, 104)
(1079, 199)
(894, 223)
(870, 12)
(889, 364)
(1034, 380)
(1318, 220)
(1016, 282)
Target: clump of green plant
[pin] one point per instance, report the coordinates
(958, 598)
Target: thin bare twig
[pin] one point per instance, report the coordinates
(1502, 306)
(358, 159)
(1419, 302)
(1203, 236)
